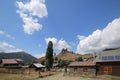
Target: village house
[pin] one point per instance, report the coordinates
(11, 63)
(82, 68)
(108, 62)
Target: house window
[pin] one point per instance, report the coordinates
(85, 69)
(75, 69)
(107, 69)
(110, 69)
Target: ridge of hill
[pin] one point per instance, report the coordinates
(67, 55)
(18, 55)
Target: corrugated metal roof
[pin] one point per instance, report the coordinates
(9, 61)
(38, 65)
(108, 56)
(82, 64)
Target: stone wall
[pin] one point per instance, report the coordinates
(91, 71)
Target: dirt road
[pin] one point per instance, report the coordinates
(59, 76)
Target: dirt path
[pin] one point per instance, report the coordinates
(59, 76)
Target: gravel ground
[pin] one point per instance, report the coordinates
(59, 76)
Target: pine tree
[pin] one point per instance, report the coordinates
(49, 56)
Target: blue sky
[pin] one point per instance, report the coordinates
(82, 26)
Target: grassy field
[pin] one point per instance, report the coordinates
(108, 77)
(103, 77)
(6, 76)
(27, 75)
(53, 75)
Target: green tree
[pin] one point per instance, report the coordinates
(79, 59)
(49, 56)
(55, 59)
(61, 63)
(34, 61)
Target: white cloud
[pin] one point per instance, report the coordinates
(80, 37)
(58, 44)
(10, 37)
(15, 50)
(101, 39)
(1, 32)
(28, 11)
(72, 43)
(39, 55)
(6, 35)
(6, 47)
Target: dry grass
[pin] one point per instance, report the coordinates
(26, 75)
(31, 74)
(109, 77)
(6, 76)
(45, 76)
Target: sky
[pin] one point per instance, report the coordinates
(81, 26)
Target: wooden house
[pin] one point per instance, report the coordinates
(82, 68)
(108, 62)
(11, 63)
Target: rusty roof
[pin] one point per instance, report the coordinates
(91, 63)
(9, 61)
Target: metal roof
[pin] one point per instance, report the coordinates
(82, 64)
(9, 61)
(108, 56)
(38, 65)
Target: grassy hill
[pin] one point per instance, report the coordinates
(21, 55)
(64, 56)
(68, 56)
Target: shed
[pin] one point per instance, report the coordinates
(37, 66)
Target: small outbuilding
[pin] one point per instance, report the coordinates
(37, 66)
(82, 68)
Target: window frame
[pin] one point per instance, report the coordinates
(85, 70)
(75, 69)
(107, 69)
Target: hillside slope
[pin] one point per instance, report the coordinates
(67, 55)
(64, 55)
